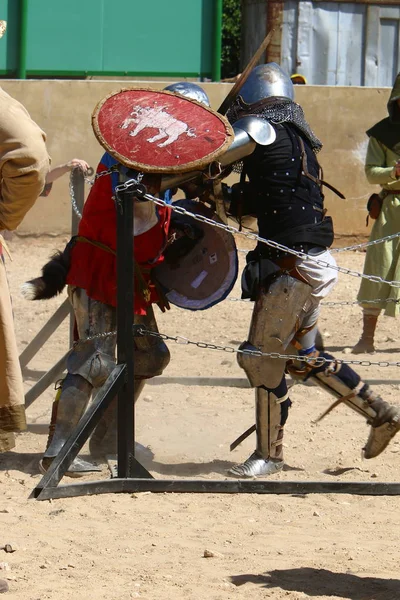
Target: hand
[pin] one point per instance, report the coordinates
(185, 234)
(152, 182)
(78, 163)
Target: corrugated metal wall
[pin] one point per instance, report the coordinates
(332, 43)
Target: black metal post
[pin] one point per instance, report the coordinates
(78, 185)
(125, 300)
(128, 466)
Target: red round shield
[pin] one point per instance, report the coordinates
(160, 131)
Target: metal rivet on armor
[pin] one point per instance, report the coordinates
(275, 174)
(287, 173)
(274, 212)
(303, 207)
(281, 191)
(290, 208)
(292, 159)
(293, 190)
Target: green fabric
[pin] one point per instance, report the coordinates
(379, 165)
(383, 259)
(387, 131)
(393, 109)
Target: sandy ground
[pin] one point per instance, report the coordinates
(125, 546)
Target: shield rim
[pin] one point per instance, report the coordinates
(190, 166)
(233, 259)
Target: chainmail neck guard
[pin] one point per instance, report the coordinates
(275, 110)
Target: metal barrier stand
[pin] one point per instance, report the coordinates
(119, 382)
(62, 312)
(132, 476)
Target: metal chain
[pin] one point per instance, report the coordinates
(341, 303)
(360, 302)
(332, 250)
(320, 360)
(90, 182)
(179, 339)
(367, 244)
(110, 171)
(358, 246)
(72, 196)
(95, 336)
(253, 236)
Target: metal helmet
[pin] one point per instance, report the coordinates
(190, 90)
(267, 81)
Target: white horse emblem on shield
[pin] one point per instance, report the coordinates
(157, 118)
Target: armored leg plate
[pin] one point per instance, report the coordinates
(276, 316)
(271, 414)
(346, 385)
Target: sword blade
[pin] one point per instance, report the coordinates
(242, 437)
(243, 77)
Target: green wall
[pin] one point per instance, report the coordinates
(103, 37)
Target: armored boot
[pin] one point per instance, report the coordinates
(271, 415)
(70, 404)
(365, 345)
(104, 440)
(384, 425)
(346, 385)
(151, 356)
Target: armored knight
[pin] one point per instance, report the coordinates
(88, 266)
(284, 192)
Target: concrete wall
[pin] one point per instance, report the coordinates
(339, 116)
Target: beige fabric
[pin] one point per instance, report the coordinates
(12, 410)
(24, 161)
(24, 164)
(7, 441)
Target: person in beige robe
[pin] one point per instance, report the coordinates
(24, 164)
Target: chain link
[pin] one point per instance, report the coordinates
(253, 236)
(140, 176)
(357, 246)
(341, 303)
(72, 195)
(367, 244)
(90, 182)
(140, 330)
(95, 336)
(110, 171)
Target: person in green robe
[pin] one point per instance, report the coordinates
(382, 167)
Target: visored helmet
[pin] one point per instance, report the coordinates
(190, 90)
(267, 81)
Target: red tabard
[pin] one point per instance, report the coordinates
(94, 269)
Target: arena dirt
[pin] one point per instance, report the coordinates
(151, 546)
